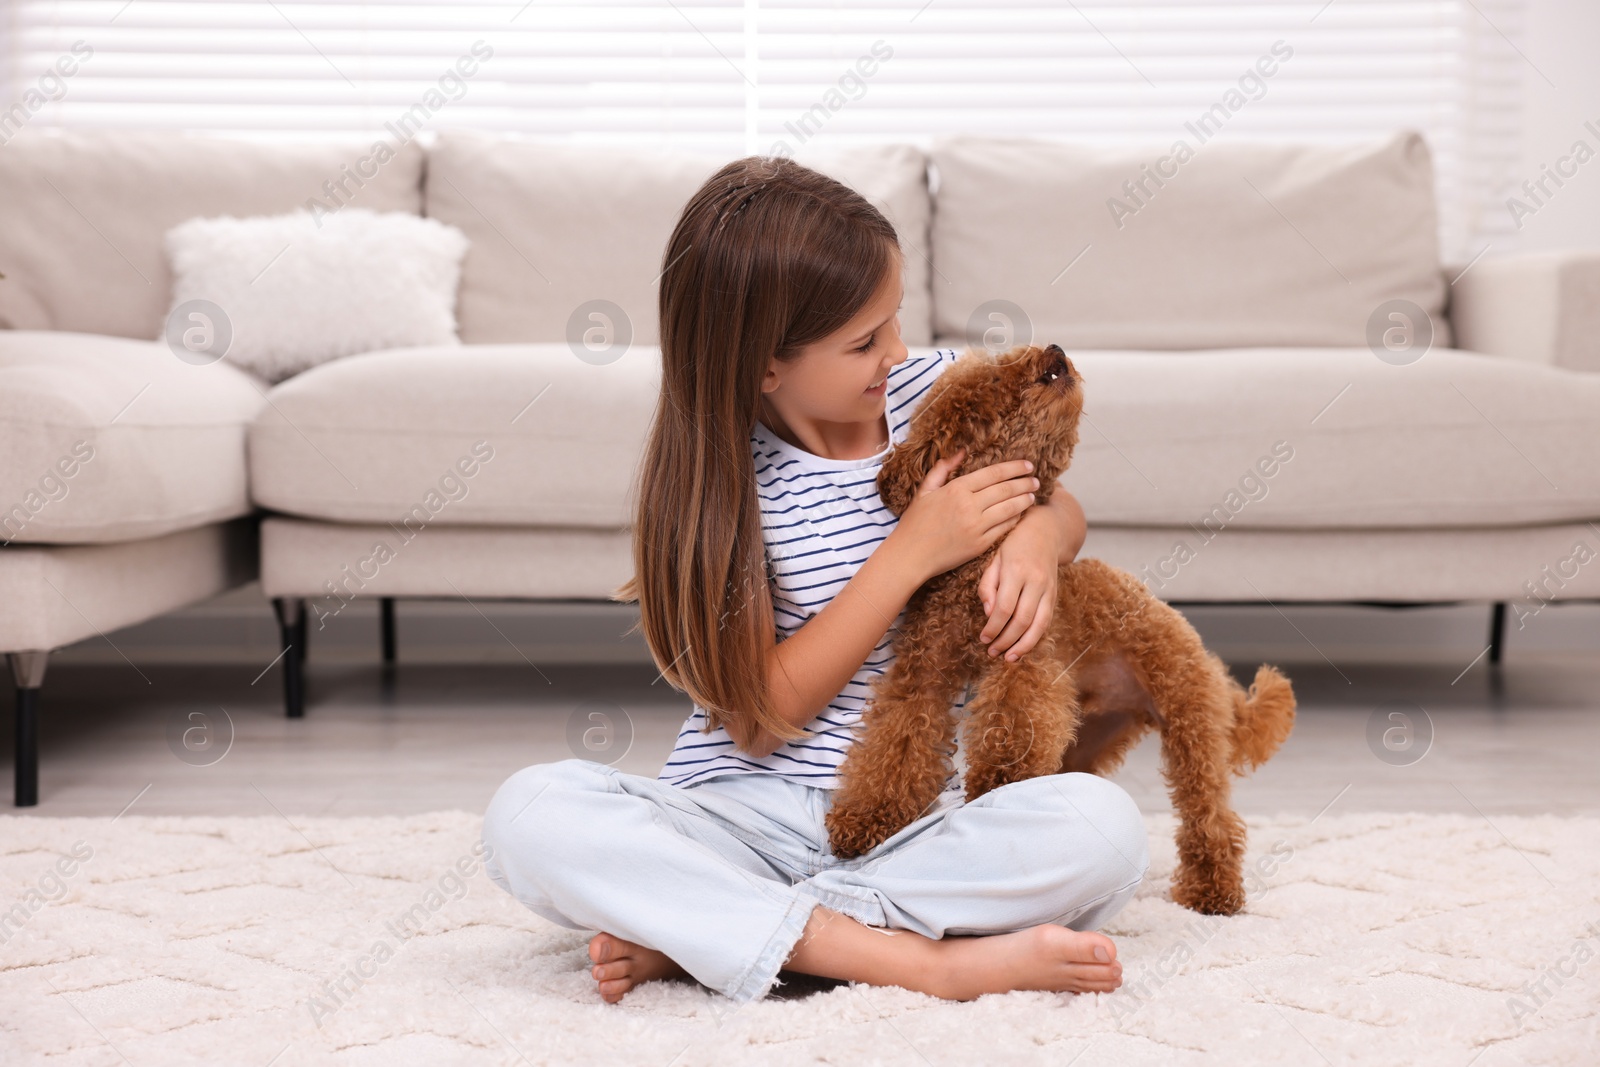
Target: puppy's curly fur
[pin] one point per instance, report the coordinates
(1115, 663)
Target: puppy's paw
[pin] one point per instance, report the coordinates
(854, 831)
(977, 786)
(1210, 892)
(983, 780)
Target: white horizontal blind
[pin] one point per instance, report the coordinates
(594, 70)
(741, 76)
(1138, 71)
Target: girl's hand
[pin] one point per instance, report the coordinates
(1018, 588)
(947, 524)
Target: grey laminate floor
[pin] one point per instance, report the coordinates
(443, 736)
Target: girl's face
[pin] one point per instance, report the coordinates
(842, 378)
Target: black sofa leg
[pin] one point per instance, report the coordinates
(292, 625)
(386, 625)
(27, 794)
(1497, 631)
(27, 670)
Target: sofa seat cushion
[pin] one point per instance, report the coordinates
(470, 435)
(1316, 437)
(106, 439)
(531, 435)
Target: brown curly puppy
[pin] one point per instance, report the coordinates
(1116, 662)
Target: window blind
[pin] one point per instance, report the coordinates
(742, 76)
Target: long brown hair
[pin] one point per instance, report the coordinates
(769, 256)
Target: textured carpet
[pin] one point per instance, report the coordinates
(1369, 939)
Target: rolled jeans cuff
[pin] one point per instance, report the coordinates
(867, 911)
(759, 978)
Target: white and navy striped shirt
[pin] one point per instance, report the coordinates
(820, 520)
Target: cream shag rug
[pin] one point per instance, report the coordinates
(1369, 938)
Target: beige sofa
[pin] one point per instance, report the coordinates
(1248, 437)
(123, 482)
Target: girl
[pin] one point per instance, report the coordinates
(769, 577)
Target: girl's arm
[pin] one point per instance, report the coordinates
(1074, 525)
(813, 665)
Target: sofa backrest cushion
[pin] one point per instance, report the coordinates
(555, 227)
(1225, 245)
(84, 214)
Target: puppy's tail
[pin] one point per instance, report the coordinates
(1262, 718)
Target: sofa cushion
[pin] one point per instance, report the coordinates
(555, 226)
(107, 439)
(84, 214)
(352, 282)
(1455, 439)
(478, 434)
(1242, 244)
(1333, 438)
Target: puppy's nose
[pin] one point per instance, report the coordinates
(1054, 350)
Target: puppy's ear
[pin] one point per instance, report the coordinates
(903, 471)
(910, 463)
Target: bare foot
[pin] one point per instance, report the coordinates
(620, 965)
(1047, 957)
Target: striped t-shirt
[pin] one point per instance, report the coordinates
(820, 520)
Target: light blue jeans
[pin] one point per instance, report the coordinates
(722, 875)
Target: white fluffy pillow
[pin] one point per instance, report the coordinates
(295, 294)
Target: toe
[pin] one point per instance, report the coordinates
(1080, 947)
(613, 989)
